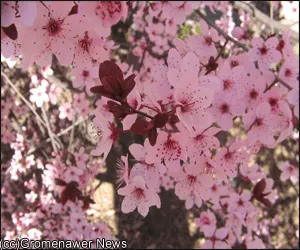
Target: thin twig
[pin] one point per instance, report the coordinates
(140, 112)
(142, 60)
(220, 31)
(278, 26)
(23, 98)
(72, 133)
(30, 151)
(49, 129)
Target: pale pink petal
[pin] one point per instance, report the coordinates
(221, 233)
(63, 51)
(226, 122)
(138, 151)
(143, 209)
(28, 11)
(129, 204)
(174, 59)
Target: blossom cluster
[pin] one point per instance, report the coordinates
(192, 84)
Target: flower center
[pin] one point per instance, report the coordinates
(228, 156)
(208, 40)
(253, 94)
(85, 73)
(205, 220)
(139, 193)
(273, 101)
(199, 137)
(227, 84)
(214, 188)
(54, 27)
(170, 144)
(263, 50)
(191, 179)
(291, 169)
(258, 122)
(224, 108)
(85, 43)
(288, 73)
(241, 203)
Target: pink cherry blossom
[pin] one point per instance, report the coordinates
(289, 71)
(150, 172)
(138, 195)
(252, 173)
(51, 31)
(170, 147)
(240, 203)
(264, 52)
(215, 239)
(224, 109)
(190, 185)
(202, 142)
(66, 111)
(81, 158)
(39, 95)
(289, 172)
(207, 222)
(192, 101)
(104, 14)
(203, 45)
(260, 124)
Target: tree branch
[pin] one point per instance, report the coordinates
(265, 19)
(49, 129)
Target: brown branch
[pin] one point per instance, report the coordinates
(49, 129)
(265, 19)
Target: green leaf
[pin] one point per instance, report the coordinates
(184, 31)
(198, 30)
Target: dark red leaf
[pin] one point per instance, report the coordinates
(109, 68)
(60, 182)
(86, 202)
(112, 85)
(128, 85)
(173, 119)
(141, 127)
(100, 90)
(11, 31)
(152, 135)
(73, 184)
(74, 10)
(117, 110)
(259, 188)
(266, 202)
(71, 192)
(160, 120)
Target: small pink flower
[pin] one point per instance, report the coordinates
(66, 111)
(39, 96)
(138, 195)
(260, 124)
(289, 172)
(215, 239)
(264, 52)
(170, 147)
(207, 222)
